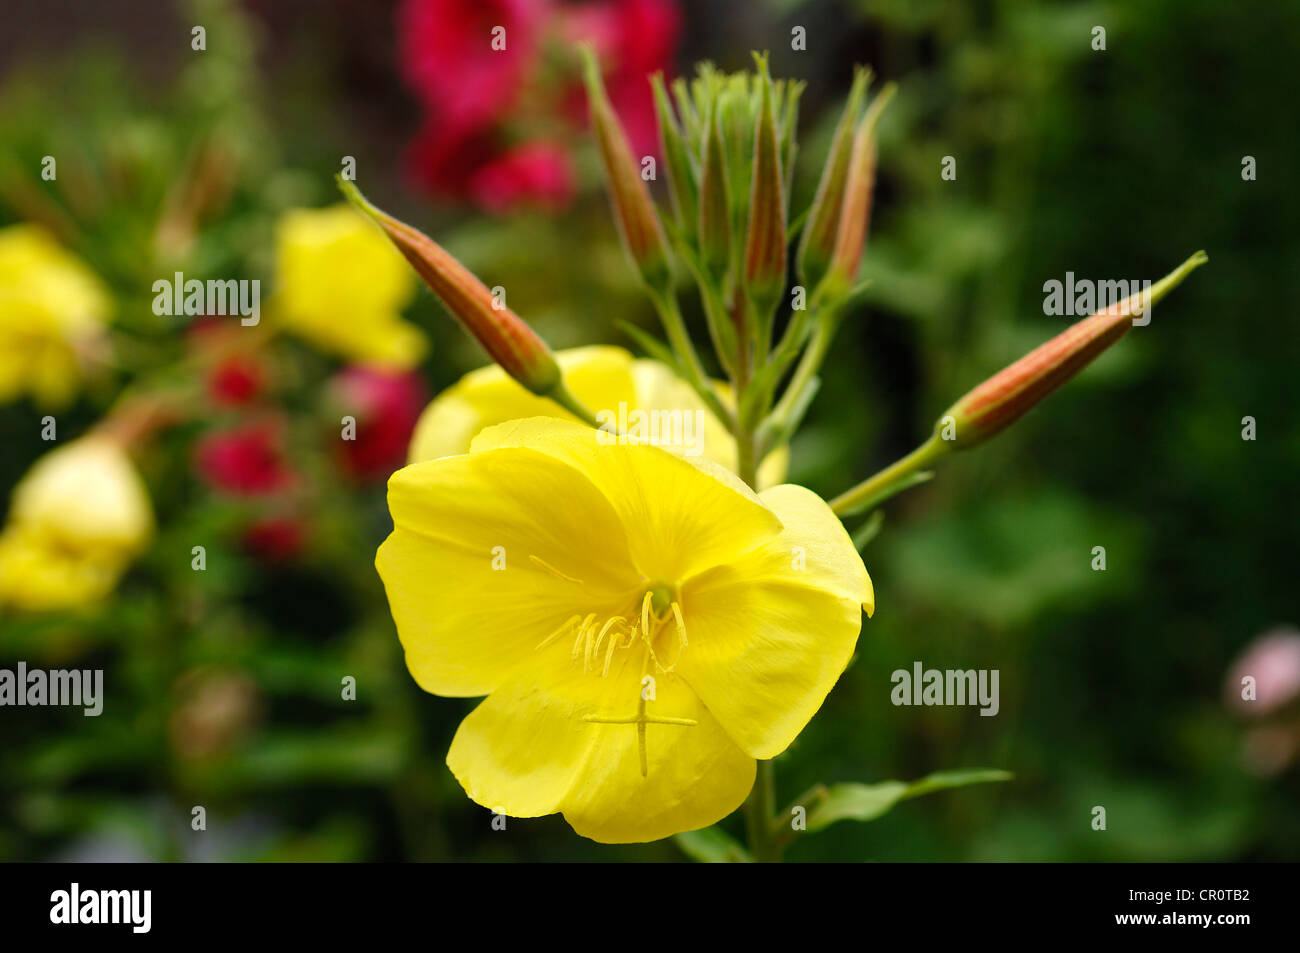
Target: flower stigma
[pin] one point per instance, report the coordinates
(651, 611)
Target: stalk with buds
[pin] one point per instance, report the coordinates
(729, 144)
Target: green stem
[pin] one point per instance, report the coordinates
(793, 402)
(760, 808)
(878, 487)
(566, 399)
(675, 330)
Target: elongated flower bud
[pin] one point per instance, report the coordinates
(638, 222)
(504, 335)
(715, 209)
(855, 210)
(682, 178)
(819, 233)
(788, 138)
(765, 251)
(1007, 395)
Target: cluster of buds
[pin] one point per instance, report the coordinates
(729, 145)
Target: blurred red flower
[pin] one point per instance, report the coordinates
(235, 380)
(633, 39)
(536, 173)
(246, 460)
(449, 59)
(275, 538)
(235, 374)
(386, 405)
(473, 145)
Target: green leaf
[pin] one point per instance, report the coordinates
(866, 802)
(868, 530)
(652, 346)
(712, 846)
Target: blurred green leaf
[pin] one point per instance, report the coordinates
(712, 846)
(866, 802)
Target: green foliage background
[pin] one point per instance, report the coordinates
(1115, 163)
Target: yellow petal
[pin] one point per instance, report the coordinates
(659, 388)
(342, 286)
(528, 750)
(603, 378)
(52, 308)
(684, 515)
(87, 495)
(695, 775)
(40, 573)
(490, 554)
(600, 377)
(771, 632)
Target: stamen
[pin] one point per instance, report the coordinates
(613, 620)
(582, 631)
(681, 624)
(552, 570)
(557, 633)
(645, 613)
(609, 655)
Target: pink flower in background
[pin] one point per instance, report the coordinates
(246, 460)
(235, 374)
(479, 143)
(449, 61)
(536, 173)
(1273, 661)
(632, 38)
(386, 406)
(235, 380)
(274, 539)
(1271, 697)
(444, 161)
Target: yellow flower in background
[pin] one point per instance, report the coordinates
(51, 307)
(604, 379)
(342, 287)
(76, 520)
(644, 625)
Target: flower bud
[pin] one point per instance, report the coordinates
(87, 494)
(820, 231)
(715, 208)
(682, 178)
(53, 312)
(634, 209)
(790, 92)
(765, 251)
(855, 210)
(1006, 396)
(504, 335)
(76, 520)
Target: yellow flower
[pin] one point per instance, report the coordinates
(604, 379)
(51, 306)
(75, 522)
(342, 287)
(644, 625)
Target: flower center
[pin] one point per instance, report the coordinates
(650, 612)
(654, 610)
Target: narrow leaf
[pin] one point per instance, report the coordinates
(866, 802)
(712, 846)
